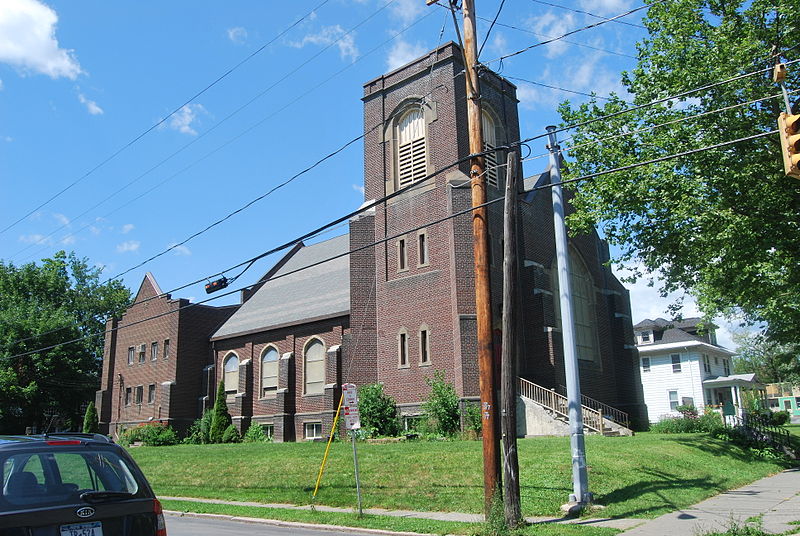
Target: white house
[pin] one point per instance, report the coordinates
(681, 364)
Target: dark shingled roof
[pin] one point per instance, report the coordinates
(321, 291)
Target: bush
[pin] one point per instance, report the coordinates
(255, 434)
(710, 420)
(220, 418)
(231, 435)
(441, 407)
(688, 411)
(675, 425)
(150, 434)
(473, 420)
(90, 423)
(378, 411)
(779, 418)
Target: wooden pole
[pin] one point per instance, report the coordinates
(508, 374)
(480, 234)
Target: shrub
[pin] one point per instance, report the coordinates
(220, 418)
(255, 434)
(378, 411)
(150, 434)
(710, 420)
(688, 411)
(441, 407)
(675, 425)
(779, 418)
(473, 420)
(90, 423)
(231, 435)
(194, 435)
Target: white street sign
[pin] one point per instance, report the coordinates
(352, 420)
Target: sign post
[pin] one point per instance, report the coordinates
(352, 422)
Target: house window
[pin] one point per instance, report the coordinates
(154, 351)
(676, 363)
(166, 348)
(151, 393)
(645, 364)
(582, 305)
(142, 352)
(422, 248)
(402, 348)
(139, 394)
(424, 346)
(312, 430)
(131, 354)
(231, 377)
(716, 360)
(489, 144)
(411, 148)
(127, 396)
(402, 255)
(727, 366)
(787, 405)
(673, 400)
(269, 371)
(706, 364)
(645, 336)
(314, 368)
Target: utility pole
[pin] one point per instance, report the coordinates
(580, 497)
(508, 374)
(480, 237)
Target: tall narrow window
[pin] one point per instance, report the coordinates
(411, 158)
(645, 364)
(673, 400)
(489, 144)
(727, 366)
(139, 394)
(154, 351)
(166, 348)
(127, 396)
(269, 371)
(424, 346)
(131, 354)
(676, 363)
(706, 364)
(151, 393)
(422, 248)
(402, 348)
(582, 305)
(231, 368)
(314, 369)
(402, 255)
(142, 353)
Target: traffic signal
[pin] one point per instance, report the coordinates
(216, 285)
(789, 132)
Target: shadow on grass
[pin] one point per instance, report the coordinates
(721, 448)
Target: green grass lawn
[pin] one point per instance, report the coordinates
(793, 429)
(642, 476)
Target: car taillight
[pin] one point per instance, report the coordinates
(161, 525)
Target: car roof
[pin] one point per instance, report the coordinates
(12, 441)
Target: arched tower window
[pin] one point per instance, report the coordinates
(314, 368)
(231, 367)
(269, 371)
(411, 147)
(582, 305)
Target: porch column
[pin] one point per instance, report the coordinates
(738, 399)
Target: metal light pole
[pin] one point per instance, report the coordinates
(580, 483)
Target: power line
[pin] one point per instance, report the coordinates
(589, 14)
(489, 31)
(593, 95)
(161, 121)
(387, 238)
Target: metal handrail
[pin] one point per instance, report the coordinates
(776, 434)
(609, 412)
(559, 404)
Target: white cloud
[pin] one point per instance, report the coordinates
(403, 52)
(553, 25)
(68, 240)
(180, 250)
(60, 218)
(330, 35)
(606, 7)
(38, 239)
(407, 10)
(127, 228)
(8, 139)
(358, 188)
(95, 230)
(91, 106)
(184, 119)
(28, 30)
(237, 35)
(130, 245)
(1, 84)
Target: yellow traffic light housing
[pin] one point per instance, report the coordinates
(789, 132)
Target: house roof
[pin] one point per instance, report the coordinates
(743, 380)
(301, 290)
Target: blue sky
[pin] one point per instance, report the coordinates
(80, 80)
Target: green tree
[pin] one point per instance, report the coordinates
(441, 407)
(771, 361)
(378, 411)
(723, 224)
(46, 366)
(90, 423)
(220, 418)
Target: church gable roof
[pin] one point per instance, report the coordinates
(299, 291)
(148, 289)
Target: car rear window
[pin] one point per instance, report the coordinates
(55, 477)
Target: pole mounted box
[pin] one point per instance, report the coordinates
(789, 132)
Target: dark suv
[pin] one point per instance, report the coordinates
(74, 485)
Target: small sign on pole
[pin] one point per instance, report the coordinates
(352, 421)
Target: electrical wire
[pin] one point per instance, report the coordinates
(161, 121)
(556, 88)
(406, 231)
(489, 31)
(589, 14)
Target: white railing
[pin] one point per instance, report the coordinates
(559, 405)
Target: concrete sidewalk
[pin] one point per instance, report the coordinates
(776, 499)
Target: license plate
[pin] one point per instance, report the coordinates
(82, 529)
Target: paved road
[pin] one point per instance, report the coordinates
(203, 526)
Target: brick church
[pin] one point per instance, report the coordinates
(391, 301)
